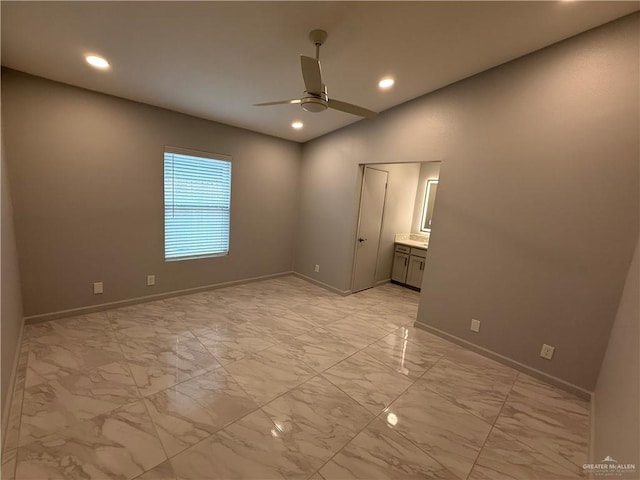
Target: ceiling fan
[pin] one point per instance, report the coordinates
(315, 97)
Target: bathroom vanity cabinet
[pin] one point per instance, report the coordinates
(408, 265)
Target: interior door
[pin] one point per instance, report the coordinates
(374, 192)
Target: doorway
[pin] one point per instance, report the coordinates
(372, 201)
(409, 187)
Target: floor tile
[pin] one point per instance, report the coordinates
(379, 453)
(478, 363)
(132, 347)
(154, 313)
(422, 337)
(318, 417)
(548, 420)
(8, 469)
(448, 433)
(153, 372)
(408, 358)
(285, 323)
(348, 305)
(319, 315)
(52, 361)
(369, 382)
(120, 444)
(78, 327)
(193, 410)
(52, 406)
(152, 331)
(477, 391)
(164, 471)
(389, 321)
(328, 340)
(251, 448)
(233, 342)
(356, 331)
(505, 458)
(269, 373)
(313, 355)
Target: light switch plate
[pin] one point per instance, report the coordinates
(98, 288)
(151, 280)
(475, 325)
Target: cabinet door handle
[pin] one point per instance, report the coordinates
(421, 265)
(405, 261)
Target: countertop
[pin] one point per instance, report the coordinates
(413, 243)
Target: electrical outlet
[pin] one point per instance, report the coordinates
(151, 280)
(98, 288)
(475, 325)
(547, 351)
(317, 269)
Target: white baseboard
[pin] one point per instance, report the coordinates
(44, 317)
(592, 434)
(331, 288)
(6, 408)
(555, 381)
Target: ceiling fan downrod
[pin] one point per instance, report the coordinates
(318, 37)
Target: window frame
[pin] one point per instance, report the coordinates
(203, 155)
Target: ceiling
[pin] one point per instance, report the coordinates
(215, 59)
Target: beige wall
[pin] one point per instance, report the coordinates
(428, 171)
(328, 209)
(86, 171)
(617, 394)
(10, 300)
(537, 211)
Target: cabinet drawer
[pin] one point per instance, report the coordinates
(403, 248)
(418, 252)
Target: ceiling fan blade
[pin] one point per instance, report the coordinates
(349, 108)
(311, 74)
(280, 102)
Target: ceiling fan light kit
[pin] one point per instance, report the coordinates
(315, 98)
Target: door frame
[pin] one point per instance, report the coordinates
(363, 168)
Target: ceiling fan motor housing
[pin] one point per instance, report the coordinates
(314, 103)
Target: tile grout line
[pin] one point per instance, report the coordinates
(398, 432)
(506, 398)
(144, 403)
(535, 449)
(468, 370)
(221, 366)
(375, 416)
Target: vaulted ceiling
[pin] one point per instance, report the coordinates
(215, 59)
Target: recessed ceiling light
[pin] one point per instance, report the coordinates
(297, 125)
(97, 62)
(386, 83)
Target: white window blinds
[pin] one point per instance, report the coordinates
(197, 200)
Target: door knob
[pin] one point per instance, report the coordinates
(362, 239)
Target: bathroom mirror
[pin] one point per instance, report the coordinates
(429, 200)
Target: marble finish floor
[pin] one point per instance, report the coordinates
(278, 379)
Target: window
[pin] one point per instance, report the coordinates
(197, 200)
